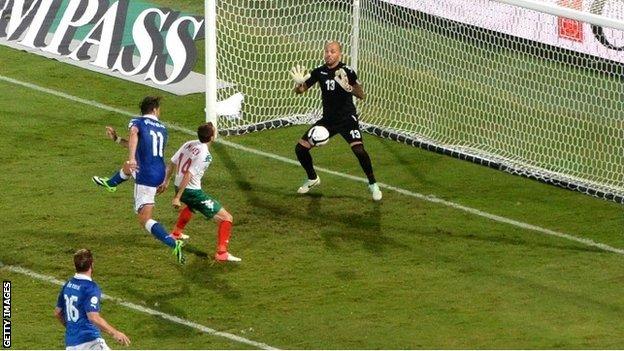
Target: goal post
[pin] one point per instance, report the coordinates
(355, 35)
(533, 93)
(210, 59)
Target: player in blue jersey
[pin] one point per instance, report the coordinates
(78, 309)
(146, 148)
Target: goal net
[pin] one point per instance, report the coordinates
(504, 86)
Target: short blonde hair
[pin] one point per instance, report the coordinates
(332, 42)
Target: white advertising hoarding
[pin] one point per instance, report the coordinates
(528, 24)
(127, 39)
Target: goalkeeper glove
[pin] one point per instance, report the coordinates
(342, 79)
(299, 75)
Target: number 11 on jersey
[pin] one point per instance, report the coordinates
(157, 143)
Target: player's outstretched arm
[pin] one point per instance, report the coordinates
(101, 323)
(58, 313)
(111, 133)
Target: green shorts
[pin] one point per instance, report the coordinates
(198, 201)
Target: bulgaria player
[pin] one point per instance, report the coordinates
(189, 164)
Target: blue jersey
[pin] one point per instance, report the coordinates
(150, 150)
(79, 296)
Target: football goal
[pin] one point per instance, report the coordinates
(530, 87)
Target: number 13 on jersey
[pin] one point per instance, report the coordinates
(331, 84)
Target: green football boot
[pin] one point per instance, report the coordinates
(103, 182)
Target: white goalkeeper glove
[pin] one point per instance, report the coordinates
(342, 79)
(299, 75)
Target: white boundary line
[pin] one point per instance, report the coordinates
(430, 198)
(210, 331)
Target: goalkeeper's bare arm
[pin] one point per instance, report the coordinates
(358, 91)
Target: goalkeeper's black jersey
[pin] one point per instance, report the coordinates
(337, 103)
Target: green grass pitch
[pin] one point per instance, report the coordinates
(331, 270)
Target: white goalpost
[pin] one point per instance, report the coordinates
(530, 87)
(210, 59)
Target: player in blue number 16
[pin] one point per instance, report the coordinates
(78, 309)
(146, 149)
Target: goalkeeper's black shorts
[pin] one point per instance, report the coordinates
(348, 127)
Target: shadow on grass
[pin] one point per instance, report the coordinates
(363, 227)
(514, 241)
(584, 301)
(347, 225)
(190, 248)
(212, 275)
(159, 301)
(408, 163)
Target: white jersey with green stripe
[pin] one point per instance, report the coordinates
(194, 157)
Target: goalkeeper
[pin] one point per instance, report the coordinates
(338, 84)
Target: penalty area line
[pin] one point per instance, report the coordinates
(143, 309)
(429, 198)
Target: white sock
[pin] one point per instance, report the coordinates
(123, 175)
(149, 224)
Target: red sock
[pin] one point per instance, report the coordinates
(183, 218)
(225, 229)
